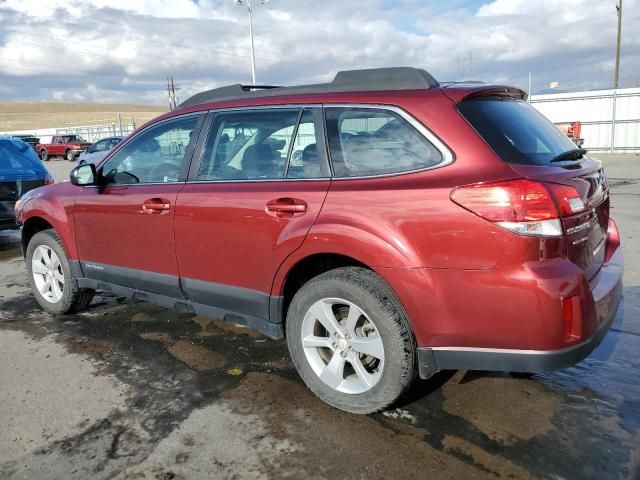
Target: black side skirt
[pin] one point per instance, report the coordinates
(272, 330)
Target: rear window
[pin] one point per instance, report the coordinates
(17, 154)
(516, 131)
(370, 141)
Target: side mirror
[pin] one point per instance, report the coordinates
(84, 174)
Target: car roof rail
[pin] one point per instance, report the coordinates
(372, 79)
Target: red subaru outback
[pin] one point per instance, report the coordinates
(387, 225)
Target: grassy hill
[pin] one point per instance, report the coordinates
(32, 115)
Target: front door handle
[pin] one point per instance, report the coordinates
(155, 206)
(286, 207)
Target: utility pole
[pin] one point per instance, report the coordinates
(247, 3)
(171, 90)
(617, 71)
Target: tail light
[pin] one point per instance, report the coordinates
(522, 206)
(48, 181)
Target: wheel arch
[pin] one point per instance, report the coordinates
(38, 220)
(30, 227)
(305, 269)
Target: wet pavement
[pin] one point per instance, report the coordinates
(132, 391)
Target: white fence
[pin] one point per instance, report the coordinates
(91, 133)
(610, 119)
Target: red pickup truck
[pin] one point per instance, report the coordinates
(68, 146)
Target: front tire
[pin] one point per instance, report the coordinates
(52, 280)
(351, 340)
(70, 156)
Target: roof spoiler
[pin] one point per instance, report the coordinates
(392, 78)
(495, 91)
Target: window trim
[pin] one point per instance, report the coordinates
(321, 142)
(184, 171)
(448, 156)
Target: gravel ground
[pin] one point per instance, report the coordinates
(132, 391)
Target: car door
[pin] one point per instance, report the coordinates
(57, 148)
(124, 229)
(248, 205)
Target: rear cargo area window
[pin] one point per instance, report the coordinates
(368, 141)
(515, 130)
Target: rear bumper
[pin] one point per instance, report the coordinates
(606, 290)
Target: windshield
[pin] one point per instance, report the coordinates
(516, 131)
(72, 138)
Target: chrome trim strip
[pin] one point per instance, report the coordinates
(447, 155)
(509, 350)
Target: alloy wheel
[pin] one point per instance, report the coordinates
(48, 274)
(342, 345)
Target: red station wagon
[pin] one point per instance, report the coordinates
(388, 225)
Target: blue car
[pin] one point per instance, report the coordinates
(20, 171)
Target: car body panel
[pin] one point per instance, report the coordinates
(113, 219)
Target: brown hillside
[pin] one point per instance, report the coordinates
(32, 115)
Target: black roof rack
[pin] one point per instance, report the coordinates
(392, 78)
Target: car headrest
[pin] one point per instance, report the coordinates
(310, 152)
(258, 159)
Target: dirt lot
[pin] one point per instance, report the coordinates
(32, 115)
(132, 391)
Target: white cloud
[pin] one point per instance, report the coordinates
(124, 49)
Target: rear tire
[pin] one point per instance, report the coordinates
(52, 279)
(365, 360)
(44, 155)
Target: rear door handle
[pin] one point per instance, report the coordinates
(155, 206)
(286, 207)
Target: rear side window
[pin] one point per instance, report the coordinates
(516, 131)
(370, 141)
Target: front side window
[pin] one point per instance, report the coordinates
(370, 141)
(157, 155)
(99, 146)
(257, 145)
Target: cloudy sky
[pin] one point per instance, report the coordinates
(123, 50)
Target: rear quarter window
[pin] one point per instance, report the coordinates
(370, 141)
(515, 130)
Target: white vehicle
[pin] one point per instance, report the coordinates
(99, 150)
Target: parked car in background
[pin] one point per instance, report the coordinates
(422, 227)
(99, 150)
(573, 131)
(66, 146)
(30, 139)
(20, 171)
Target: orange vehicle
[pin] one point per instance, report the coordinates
(572, 130)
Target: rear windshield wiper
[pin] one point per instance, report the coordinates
(573, 154)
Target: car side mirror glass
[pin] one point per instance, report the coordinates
(84, 174)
